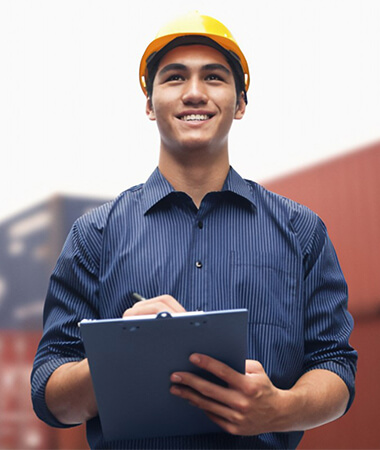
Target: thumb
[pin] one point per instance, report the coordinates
(253, 367)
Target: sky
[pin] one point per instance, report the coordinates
(72, 115)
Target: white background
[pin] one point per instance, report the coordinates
(72, 115)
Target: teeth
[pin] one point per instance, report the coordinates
(195, 117)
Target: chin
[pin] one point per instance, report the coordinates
(198, 143)
(197, 147)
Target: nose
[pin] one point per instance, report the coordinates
(194, 92)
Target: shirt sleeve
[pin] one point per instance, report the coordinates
(328, 324)
(72, 296)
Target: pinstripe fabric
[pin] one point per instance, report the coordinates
(244, 247)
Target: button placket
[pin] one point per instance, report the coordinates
(198, 264)
(199, 271)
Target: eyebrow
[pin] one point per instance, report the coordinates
(182, 68)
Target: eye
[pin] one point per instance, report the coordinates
(214, 77)
(175, 77)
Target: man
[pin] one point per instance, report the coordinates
(198, 236)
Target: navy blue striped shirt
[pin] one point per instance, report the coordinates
(245, 247)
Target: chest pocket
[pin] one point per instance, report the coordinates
(265, 284)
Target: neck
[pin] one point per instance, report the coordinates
(195, 175)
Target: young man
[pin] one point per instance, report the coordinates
(198, 236)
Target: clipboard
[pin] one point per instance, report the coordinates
(132, 359)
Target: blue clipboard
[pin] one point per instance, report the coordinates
(131, 361)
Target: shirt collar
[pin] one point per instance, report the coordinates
(237, 185)
(157, 188)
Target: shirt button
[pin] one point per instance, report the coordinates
(198, 265)
(200, 224)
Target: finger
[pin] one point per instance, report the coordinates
(169, 301)
(253, 367)
(227, 396)
(206, 404)
(148, 307)
(219, 369)
(185, 380)
(154, 306)
(226, 425)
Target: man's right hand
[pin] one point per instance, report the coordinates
(69, 392)
(162, 303)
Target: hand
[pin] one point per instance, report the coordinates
(154, 306)
(250, 405)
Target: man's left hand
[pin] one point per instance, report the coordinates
(249, 405)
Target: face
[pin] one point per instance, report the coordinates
(194, 100)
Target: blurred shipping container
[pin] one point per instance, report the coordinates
(345, 192)
(30, 244)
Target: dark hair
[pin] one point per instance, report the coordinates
(233, 60)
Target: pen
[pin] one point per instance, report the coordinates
(138, 297)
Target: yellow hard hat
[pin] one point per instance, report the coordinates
(193, 24)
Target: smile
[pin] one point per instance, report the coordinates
(195, 117)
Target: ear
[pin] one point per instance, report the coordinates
(149, 109)
(240, 107)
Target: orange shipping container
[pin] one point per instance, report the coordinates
(345, 192)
